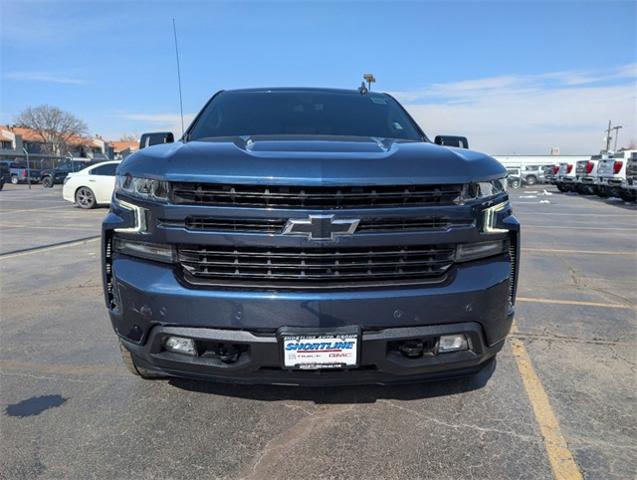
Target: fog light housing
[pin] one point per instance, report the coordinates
(181, 345)
(452, 343)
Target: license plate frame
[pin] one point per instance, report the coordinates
(311, 349)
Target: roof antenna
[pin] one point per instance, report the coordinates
(181, 105)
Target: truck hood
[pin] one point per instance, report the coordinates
(311, 161)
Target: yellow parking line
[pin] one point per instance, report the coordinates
(577, 252)
(574, 302)
(560, 457)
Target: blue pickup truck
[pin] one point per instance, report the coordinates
(309, 236)
(19, 173)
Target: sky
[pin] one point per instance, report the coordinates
(514, 77)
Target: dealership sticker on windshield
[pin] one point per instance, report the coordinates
(320, 351)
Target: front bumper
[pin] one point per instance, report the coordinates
(153, 303)
(611, 182)
(587, 180)
(261, 359)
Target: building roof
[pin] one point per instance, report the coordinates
(27, 134)
(31, 135)
(121, 145)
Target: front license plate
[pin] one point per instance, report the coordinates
(311, 352)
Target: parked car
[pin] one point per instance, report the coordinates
(612, 174)
(53, 176)
(586, 175)
(565, 178)
(630, 187)
(532, 174)
(5, 175)
(91, 186)
(514, 177)
(282, 240)
(550, 172)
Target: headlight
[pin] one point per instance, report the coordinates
(149, 251)
(486, 189)
(144, 188)
(490, 217)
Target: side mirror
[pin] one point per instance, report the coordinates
(452, 141)
(155, 138)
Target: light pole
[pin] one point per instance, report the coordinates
(28, 167)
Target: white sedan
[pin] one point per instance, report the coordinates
(91, 186)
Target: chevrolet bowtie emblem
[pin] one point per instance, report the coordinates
(320, 227)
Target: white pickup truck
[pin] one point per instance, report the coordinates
(586, 176)
(612, 174)
(565, 177)
(630, 189)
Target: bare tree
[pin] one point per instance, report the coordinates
(129, 137)
(56, 127)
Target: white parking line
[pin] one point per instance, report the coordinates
(34, 209)
(550, 227)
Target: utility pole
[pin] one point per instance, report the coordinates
(609, 137)
(616, 128)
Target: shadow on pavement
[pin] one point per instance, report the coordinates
(343, 394)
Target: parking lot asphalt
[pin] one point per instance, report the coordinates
(559, 403)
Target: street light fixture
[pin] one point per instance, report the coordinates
(369, 78)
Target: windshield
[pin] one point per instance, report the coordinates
(298, 112)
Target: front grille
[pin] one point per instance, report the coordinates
(276, 225)
(314, 197)
(314, 268)
(259, 225)
(402, 224)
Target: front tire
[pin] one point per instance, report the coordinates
(515, 184)
(14, 180)
(47, 182)
(85, 198)
(530, 180)
(561, 187)
(129, 362)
